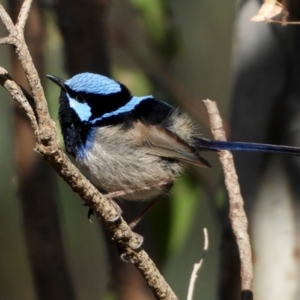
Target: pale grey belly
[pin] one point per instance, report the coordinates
(129, 170)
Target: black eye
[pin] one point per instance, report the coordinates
(80, 99)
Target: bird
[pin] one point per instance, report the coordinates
(138, 145)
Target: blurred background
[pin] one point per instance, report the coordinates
(181, 52)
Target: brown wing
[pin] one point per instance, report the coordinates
(162, 142)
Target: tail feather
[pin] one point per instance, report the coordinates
(209, 145)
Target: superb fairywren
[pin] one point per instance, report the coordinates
(122, 142)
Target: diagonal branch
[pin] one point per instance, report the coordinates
(49, 147)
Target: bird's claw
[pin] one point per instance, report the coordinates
(116, 219)
(140, 241)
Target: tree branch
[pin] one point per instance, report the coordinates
(6, 20)
(49, 147)
(237, 214)
(17, 94)
(23, 15)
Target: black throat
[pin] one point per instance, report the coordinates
(74, 131)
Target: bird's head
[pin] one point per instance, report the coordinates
(90, 97)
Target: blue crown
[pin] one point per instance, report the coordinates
(93, 83)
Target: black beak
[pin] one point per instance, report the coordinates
(60, 82)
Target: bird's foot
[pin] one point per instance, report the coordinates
(113, 220)
(137, 247)
(117, 218)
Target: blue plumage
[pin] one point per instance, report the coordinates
(123, 142)
(83, 148)
(128, 107)
(93, 83)
(83, 110)
(241, 146)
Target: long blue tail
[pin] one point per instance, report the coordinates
(209, 145)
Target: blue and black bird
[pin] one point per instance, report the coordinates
(122, 142)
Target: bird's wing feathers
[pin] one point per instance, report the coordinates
(161, 142)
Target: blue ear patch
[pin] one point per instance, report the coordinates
(93, 83)
(128, 107)
(83, 110)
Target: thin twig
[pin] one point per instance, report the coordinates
(18, 96)
(6, 20)
(237, 214)
(197, 266)
(48, 146)
(23, 15)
